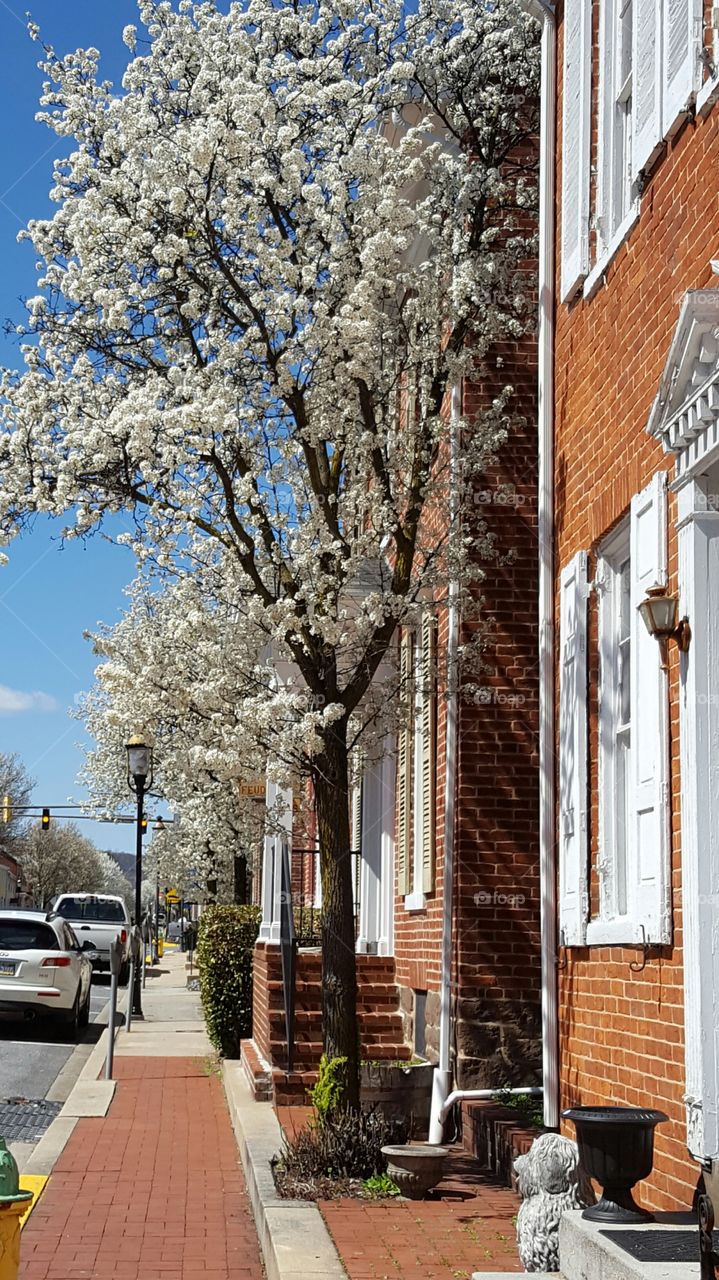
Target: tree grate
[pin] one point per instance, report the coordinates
(26, 1119)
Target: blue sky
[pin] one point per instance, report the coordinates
(49, 594)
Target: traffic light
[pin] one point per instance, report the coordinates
(143, 825)
(45, 820)
(7, 808)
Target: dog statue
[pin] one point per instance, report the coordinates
(550, 1181)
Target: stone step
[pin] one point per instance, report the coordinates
(667, 1249)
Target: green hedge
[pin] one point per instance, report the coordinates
(224, 952)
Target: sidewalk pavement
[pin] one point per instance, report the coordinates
(154, 1189)
(467, 1225)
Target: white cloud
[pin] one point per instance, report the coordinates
(13, 701)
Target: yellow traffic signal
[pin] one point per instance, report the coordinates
(7, 808)
(45, 820)
(143, 825)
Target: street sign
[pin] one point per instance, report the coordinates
(255, 790)
(172, 896)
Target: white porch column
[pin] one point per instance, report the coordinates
(698, 528)
(377, 862)
(272, 864)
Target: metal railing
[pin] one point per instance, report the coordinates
(288, 952)
(307, 895)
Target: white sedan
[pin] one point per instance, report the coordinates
(43, 968)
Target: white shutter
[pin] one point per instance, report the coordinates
(573, 844)
(576, 143)
(428, 754)
(649, 875)
(646, 82)
(404, 768)
(682, 36)
(356, 824)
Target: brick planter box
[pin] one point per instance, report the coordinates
(493, 1134)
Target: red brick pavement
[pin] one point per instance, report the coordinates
(154, 1190)
(467, 1225)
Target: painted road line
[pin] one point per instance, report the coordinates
(34, 1182)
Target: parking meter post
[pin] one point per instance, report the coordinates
(115, 966)
(130, 989)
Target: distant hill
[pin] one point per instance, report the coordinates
(126, 863)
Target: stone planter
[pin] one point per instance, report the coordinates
(616, 1148)
(415, 1168)
(402, 1093)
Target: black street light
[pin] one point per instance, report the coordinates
(139, 780)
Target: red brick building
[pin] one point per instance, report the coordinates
(636, 497)
(472, 1005)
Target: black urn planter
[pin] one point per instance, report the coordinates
(616, 1148)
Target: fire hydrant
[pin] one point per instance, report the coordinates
(13, 1203)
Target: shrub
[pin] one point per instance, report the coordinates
(346, 1145)
(226, 937)
(331, 1084)
(530, 1110)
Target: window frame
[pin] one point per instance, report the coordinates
(613, 575)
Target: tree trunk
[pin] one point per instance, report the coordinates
(240, 879)
(339, 971)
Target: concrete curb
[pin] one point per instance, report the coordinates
(295, 1242)
(55, 1139)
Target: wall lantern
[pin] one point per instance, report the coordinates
(659, 611)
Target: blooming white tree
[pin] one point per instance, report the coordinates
(63, 860)
(275, 250)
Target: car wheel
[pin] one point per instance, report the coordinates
(83, 1016)
(124, 975)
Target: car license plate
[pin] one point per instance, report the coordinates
(7, 969)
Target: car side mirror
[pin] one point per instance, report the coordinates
(87, 945)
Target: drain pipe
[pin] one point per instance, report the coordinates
(480, 1095)
(545, 522)
(442, 1078)
(442, 1098)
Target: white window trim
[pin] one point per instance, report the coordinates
(596, 276)
(707, 95)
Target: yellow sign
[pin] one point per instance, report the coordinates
(172, 896)
(254, 790)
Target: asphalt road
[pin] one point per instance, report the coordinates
(33, 1054)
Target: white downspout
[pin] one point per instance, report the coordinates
(442, 1099)
(442, 1078)
(545, 521)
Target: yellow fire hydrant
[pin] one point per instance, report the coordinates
(13, 1203)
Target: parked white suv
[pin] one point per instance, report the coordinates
(43, 969)
(98, 918)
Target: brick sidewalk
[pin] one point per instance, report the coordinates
(467, 1226)
(154, 1190)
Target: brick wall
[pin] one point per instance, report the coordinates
(496, 977)
(622, 1030)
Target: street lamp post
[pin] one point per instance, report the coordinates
(139, 780)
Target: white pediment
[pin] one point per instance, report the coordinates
(685, 414)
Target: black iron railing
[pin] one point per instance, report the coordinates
(288, 953)
(306, 895)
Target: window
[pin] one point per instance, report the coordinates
(615, 191)
(103, 910)
(416, 766)
(632, 840)
(615, 716)
(650, 73)
(27, 935)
